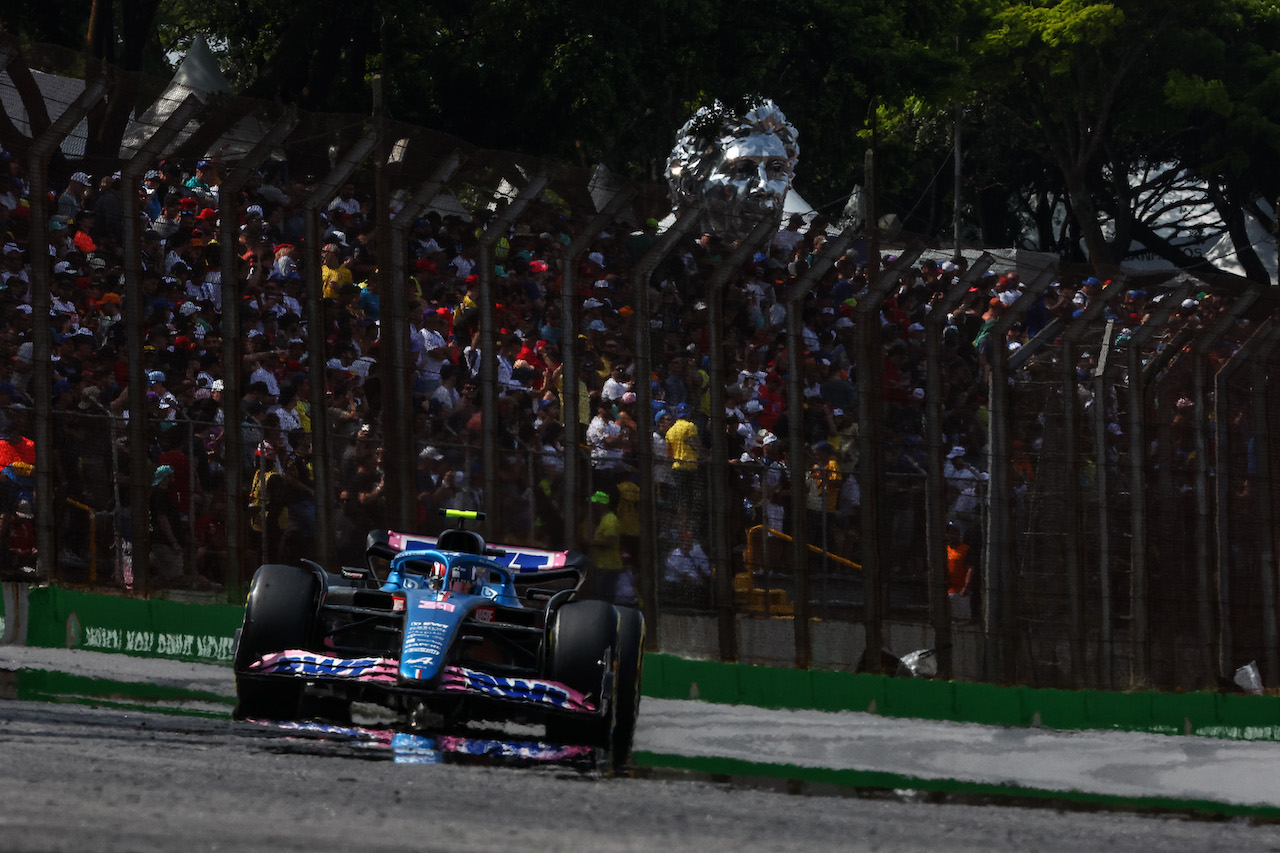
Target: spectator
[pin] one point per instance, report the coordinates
(168, 560)
(684, 447)
(686, 574)
(336, 272)
(606, 548)
(73, 198)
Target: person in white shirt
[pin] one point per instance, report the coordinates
(346, 202)
(265, 372)
(605, 439)
(786, 239)
(435, 349)
(618, 383)
(445, 398)
(13, 267)
(508, 349)
(686, 573)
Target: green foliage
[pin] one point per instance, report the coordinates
(1061, 98)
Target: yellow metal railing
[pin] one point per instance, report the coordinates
(772, 602)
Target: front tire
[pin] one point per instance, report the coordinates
(278, 616)
(629, 653)
(582, 640)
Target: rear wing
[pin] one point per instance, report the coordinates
(519, 560)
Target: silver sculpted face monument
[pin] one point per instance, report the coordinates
(734, 167)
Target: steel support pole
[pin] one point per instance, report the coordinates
(1139, 379)
(228, 240)
(489, 346)
(41, 152)
(39, 156)
(934, 502)
(571, 405)
(870, 370)
(1211, 575)
(398, 465)
(641, 274)
(999, 578)
(1071, 337)
(1262, 485)
(573, 399)
(395, 331)
(831, 252)
(715, 476)
(1222, 479)
(322, 457)
(1079, 644)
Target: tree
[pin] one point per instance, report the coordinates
(1124, 98)
(1227, 103)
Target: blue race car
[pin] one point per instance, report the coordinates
(445, 630)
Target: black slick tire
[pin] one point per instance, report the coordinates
(582, 638)
(277, 617)
(629, 653)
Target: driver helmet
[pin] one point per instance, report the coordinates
(437, 575)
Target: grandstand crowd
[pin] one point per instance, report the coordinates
(181, 286)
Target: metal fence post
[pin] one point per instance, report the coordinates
(999, 579)
(228, 237)
(399, 460)
(1216, 595)
(489, 345)
(1078, 640)
(322, 457)
(41, 372)
(1075, 330)
(1222, 473)
(1139, 379)
(831, 251)
(569, 376)
(1261, 437)
(934, 503)
(870, 354)
(721, 560)
(640, 277)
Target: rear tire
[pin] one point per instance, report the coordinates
(277, 617)
(581, 634)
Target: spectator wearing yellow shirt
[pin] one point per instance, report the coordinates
(334, 272)
(606, 545)
(684, 447)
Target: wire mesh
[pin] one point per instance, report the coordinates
(284, 424)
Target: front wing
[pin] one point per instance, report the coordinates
(382, 674)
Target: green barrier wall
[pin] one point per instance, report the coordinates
(1211, 714)
(61, 618)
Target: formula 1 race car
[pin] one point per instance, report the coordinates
(447, 631)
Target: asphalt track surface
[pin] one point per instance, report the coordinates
(97, 777)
